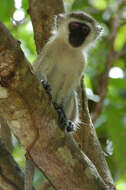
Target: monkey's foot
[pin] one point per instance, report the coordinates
(69, 126)
(46, 86)
(65, 125)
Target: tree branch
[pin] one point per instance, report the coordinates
(91, 145)
(31, 117)
(42, 15)
(5, 134)
(11, 177)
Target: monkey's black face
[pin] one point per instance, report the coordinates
(78, 33)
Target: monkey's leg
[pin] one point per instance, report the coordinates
(46, 86)
(72, 109)
(29, 173)
(66, 125)
(74, 115)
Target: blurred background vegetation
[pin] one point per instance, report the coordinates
(111, 123)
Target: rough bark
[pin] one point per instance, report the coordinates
(27, 109)
(87, 138)
(29, 113)
(11, 177)
(5, 134)
(42, 13)
(86, 135)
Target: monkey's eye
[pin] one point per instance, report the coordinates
(74, 25)
(86, 29)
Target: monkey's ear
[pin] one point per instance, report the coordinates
(59, 20)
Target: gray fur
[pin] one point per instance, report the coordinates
(62, 65)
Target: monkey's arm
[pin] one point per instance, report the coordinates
(43, 63)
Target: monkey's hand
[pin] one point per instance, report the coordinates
(46, 86)
(66, 125)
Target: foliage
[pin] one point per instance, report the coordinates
(111, 124)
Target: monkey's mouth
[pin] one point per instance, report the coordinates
(78, 33)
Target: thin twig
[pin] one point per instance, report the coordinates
(112, 55)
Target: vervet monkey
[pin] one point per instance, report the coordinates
(60, 64)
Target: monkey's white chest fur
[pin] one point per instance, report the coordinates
(62, 67)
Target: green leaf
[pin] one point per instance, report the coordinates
(100, 4)
(118, 83)
(79, 4)
(25, 5)
(120, 38)
(6, 9)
